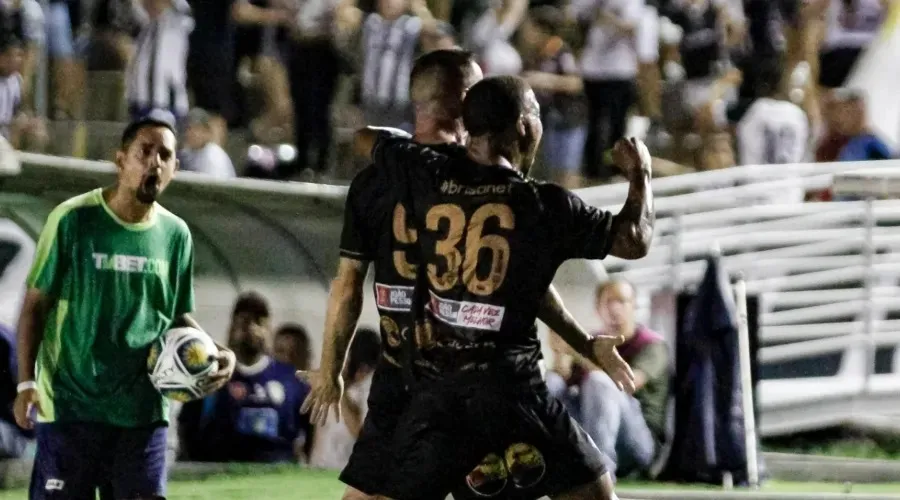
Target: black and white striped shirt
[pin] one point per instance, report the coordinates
(389, 49)
(10, 100)
(157, 77)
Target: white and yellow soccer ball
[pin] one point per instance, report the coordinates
(179, 364)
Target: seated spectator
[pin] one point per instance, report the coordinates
(553, 73)
(256, 417)
(629, 429)
(17, 126)
(201, 153)
(156, 76)
(334, 440)
(292, 346)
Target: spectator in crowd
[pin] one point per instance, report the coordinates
(629, 429)
(24, 20)
(334, 440)
(292, 346)
(16, 125)
(201, 154)
(848, 136)
(552, 71)
(114, 26)
(212, 64)
(63, 20)
(609, 65)
(772, 129)
(262, 31)
(850, 26)
(13, 440)
(156, 76)
(313, 65)
(647, 47)
(390, 42)
(256, 417)
(490, 37)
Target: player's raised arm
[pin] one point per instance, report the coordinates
(632, 227)
(365, 139)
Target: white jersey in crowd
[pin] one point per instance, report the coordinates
(490, 39)
(333, 442)
(210, 160)
(854, 29)
(609, 54)
(773, 132)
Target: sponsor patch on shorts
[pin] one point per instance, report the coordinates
(467, 314)
(393, 298)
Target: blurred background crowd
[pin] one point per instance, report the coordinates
(272, 88)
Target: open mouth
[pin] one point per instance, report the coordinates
(151, 183)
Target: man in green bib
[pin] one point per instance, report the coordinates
(113, 270)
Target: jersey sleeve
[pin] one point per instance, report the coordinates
(184, 286)
(356, 241)
(50, 257)
(583, 231)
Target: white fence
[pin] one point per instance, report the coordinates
(827, 276)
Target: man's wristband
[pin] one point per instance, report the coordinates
(26, 386)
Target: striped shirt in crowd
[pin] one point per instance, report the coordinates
(389, 49)
(157, 77)
(10, 100)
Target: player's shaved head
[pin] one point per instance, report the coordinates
(504, 111)
(440, 79)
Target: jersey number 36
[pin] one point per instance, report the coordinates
(459, 265)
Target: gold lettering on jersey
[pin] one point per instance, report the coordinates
(451, 187)
(446, 247)
(405, 235)
(477, 246)
(130, 264)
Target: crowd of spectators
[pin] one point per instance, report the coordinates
(708, 83)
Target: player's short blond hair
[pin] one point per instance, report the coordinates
(440, 77)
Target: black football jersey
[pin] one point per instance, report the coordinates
(490, 240)
(377, 228)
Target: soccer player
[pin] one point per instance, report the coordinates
(112, 272)
(491, 241)
(376, 230)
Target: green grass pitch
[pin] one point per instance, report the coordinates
(323, 485)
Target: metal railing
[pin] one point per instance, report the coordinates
(827, 276)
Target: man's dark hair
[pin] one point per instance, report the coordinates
(252, 304)
(547, 18)
(364, 351)
(435, 72)
(493, 105)
(768, 77)
(152, 120)
(300, 335)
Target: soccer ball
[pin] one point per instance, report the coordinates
(179, 363)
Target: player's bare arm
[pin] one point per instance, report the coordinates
(30, 333)
(226, 358)
(345, 303)
(632, 227)
(599, 350)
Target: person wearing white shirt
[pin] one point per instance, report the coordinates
(201, 153)
(609, 65)
(333, 442)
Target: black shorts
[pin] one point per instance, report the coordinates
(835, 66)
(451, 427)
(367, 468)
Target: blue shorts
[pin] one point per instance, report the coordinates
(73, 460)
